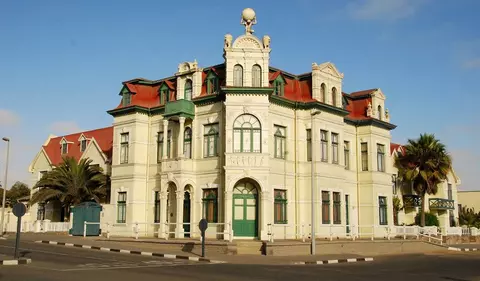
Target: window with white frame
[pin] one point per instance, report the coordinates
(324, 143)
(382, 210)
(238, 75)
(309, 145)
(187, 143)
(122, 207)
(381, 157)
(210, 140)
(124, 147)
(256, 76)
(64, 147)
(364, 155)
(335, 148)
(280, 210)
(247, 134)
(346, 154)
(83, 145)
(279, 142)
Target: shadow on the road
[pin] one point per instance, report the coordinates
(188, 247)
(454, 279)
(24, 253)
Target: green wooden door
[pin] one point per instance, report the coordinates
(245, 215)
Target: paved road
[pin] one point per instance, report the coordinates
(56, 263)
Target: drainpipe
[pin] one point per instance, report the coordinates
(147, 175)
(295, 168)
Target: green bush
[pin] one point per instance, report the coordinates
(430, 219)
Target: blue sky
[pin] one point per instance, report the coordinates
(62, 62)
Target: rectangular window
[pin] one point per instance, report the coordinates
(382, 209)
(346, 154)
(122, 207)
(381, 157)
(83, 145)
(450, 191)
(364, 149)
(126, 99)
(280, 210)
(335, 148)
(160, 140)
(279, 88)
(187, 143)
(324, 141)
(309, 145)
(64, 148)
(337, 219)
(165, 96)
(210, 205)
(210, 140)
(212, 84)
(279, 142)
(325, 207)
(156, 210)
(124, 142)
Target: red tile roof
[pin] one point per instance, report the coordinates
(297, 88)
(396, 147)
(103, 137)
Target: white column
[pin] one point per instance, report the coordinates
(265, 211)
(228, 216)
(181, 137)
(165, 138)
(179, 222)
(163, 214)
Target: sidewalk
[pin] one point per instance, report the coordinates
(194, 251)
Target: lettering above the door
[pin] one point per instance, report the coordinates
(247, 161)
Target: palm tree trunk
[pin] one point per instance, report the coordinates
(422, 211)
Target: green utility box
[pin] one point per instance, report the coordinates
(86, 212)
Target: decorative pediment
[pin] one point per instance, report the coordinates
(378, 93)
(247, 42)
(328, 68)
(187, 66)
(64, 140)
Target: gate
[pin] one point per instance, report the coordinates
(86, 212)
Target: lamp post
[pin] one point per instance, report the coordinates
(7, 140)
(312, 130)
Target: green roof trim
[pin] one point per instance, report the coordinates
(128, 110)
(248, 90)
(371, 122)
(208, 99)
(308, 105)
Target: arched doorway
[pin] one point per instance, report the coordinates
(186, 213)
(172, 208)
(245, 208)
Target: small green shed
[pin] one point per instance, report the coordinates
(86, 212)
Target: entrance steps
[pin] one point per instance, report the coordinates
(249, 247)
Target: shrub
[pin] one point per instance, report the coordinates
(430, 219)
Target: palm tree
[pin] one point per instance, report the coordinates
(426, 163)
(71, 183)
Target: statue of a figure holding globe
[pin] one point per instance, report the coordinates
(248, 19)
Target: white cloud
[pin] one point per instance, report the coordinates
(389, 10)
(64, 127)
(472, 63)
(8, 118)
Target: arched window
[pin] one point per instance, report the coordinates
(188, 90)
(187, 143)
(334, 96)
(238, 75)
(323, 95)
(247, 134)
(256, 76)
(379, 112)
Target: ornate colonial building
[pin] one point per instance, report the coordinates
(240, 143)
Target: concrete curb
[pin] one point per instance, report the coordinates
(167, 256)
(463, 249)
(15, 262)
(334, 261)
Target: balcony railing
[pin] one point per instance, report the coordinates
(412, 201)
(183, 108)
(441, 204)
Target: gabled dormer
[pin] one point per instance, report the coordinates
(378, 110)
(327, 83)
(164, 92)
(212, 81)
(278, 83)
(64, 146)
(83, 142)
(126, 96)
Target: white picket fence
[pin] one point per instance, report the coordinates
(39, 226)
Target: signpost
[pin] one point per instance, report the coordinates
(19, 210)
(203, 225)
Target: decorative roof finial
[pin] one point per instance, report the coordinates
(248, 19)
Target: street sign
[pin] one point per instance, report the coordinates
(19, 210)
(203, 225)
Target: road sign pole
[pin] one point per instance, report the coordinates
(203, 244)
(17, 239)
(203, 225)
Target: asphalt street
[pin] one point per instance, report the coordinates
(63, 263)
